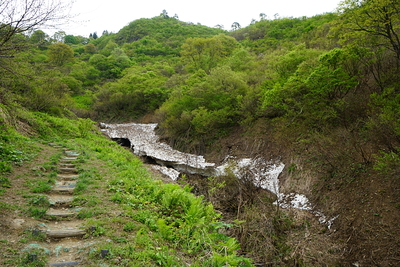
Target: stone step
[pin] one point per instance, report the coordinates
(68, 159)
(63, 189)
(66, 183)
(67, 177)
(60, 200)
(67, 251)
(60, 213)
(62, 233)
(69, 153)
(70, 263)
(68, 170)
(67, 165)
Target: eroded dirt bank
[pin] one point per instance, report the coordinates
(367, 230)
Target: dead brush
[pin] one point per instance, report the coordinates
(250, 207)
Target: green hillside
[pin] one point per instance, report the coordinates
(319, 93)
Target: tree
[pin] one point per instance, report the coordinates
(59, 36)
(263, 16)
(90, 48)
(206, 53)
(164, 14)
(208, 108)
(119, 58)
(48, 94)
(22, 16)
(70, 39)
(60, 53)
(39, 38)
(235, 26)
(111, 45)
(81, 39)
(373, 22)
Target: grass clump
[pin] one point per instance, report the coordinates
(37, 212)
(42, 186)
(87, 201)
(88, 213)
(39, 200)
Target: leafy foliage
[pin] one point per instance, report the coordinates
(371, 23)
(137, 93)
(206, 53)
(266, 34)
(14, 150)
(324, 87)
(60, 53)
(163, 29)
(207, 109)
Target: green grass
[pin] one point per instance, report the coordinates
(14, 149)
(83, 101)
(142, 221)
(5, 182)
(39, 200)
(88, 213)
(42, 186)
(85, 200)
(37, 212)
(166, 219)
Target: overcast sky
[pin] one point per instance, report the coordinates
(100, 15)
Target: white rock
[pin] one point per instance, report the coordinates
(17, 223)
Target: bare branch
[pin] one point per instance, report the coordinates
(20, 16)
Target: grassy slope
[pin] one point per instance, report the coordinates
(143, 221)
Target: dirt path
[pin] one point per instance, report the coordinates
(56, 237)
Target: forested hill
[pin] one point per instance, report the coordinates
(170, 31)
(321, 93)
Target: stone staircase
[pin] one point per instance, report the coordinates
(63, 231)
